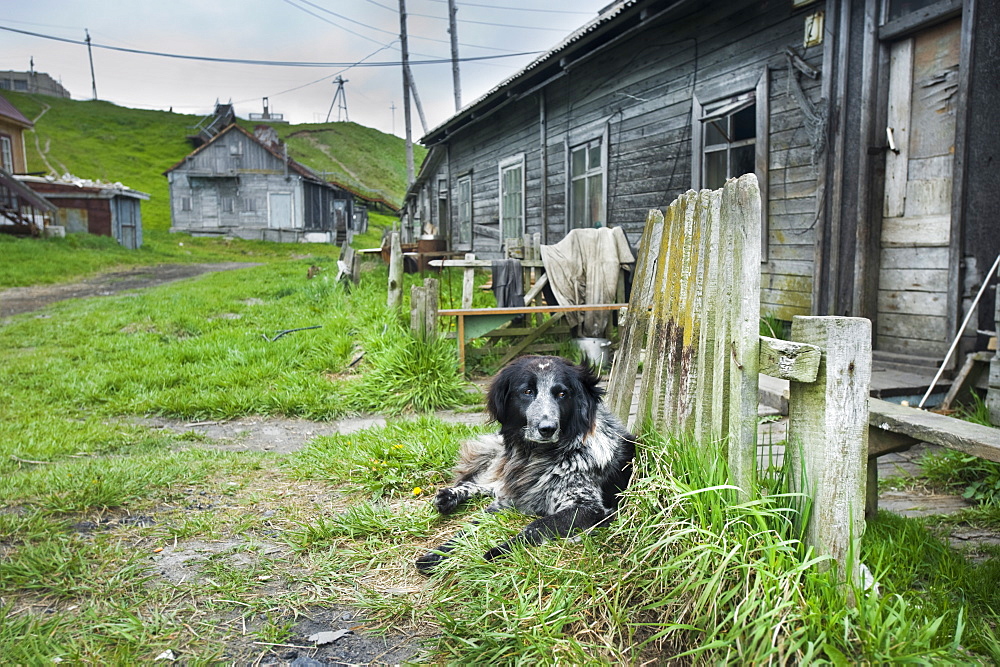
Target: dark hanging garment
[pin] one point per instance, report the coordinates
(508, 283)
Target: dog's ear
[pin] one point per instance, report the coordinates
(499, 394)
(584, 383)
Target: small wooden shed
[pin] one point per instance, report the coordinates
(106, 209)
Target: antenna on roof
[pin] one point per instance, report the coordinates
(341, 95)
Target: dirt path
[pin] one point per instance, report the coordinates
(17, 300)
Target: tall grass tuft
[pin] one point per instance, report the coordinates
(406, 374)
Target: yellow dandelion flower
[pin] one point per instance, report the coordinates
(417, 490)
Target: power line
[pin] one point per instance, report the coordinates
(365, 25)
(489, 23)
(273, 63)
(520, 9)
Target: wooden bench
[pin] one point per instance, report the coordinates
(474, 322)
(895, 428)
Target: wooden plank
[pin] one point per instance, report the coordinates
(536, 289)
(975, 366)
(789, 360)
(530, 338)
(924, 230)
(635, 323)
(898, 121)
(525, 310)
(478, 263)
(741, 199)
(913, 303)
(394, 299)
(468, 280)
(957, 434)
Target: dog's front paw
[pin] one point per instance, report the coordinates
(498, 551)
(429, 561)
(447, 500)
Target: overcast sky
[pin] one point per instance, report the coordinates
(299, 31)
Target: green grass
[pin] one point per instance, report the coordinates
(344, 150)
(405, 458)
(32, 261)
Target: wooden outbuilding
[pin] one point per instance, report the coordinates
(869, 124)
(244, 184)
(94, 207)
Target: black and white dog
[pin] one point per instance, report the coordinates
(560, 454)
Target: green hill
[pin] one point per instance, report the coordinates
(102, 141)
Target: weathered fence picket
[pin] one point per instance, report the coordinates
(692, 328)
(692, 323)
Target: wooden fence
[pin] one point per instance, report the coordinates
(692, 326)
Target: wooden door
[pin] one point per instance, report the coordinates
(916, 218)
(279, 210)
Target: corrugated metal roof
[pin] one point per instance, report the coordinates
(606, 15)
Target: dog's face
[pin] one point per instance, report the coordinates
(544, 398)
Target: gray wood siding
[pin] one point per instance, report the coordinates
(228, 185)
(640, 91)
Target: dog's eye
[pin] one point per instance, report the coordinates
(529, 392)
(560, 394)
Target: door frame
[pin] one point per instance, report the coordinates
(871, 182)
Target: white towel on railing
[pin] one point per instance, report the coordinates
(583, 268)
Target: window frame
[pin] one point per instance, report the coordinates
(761, 97)
(602, 141)
(7, 152)
(463, 235)
(513, 162)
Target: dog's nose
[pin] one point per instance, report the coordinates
(547, 429)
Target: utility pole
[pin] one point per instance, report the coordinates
(392, 109)
(342, 96)
(453, 30)
(90, 54)
(406, 93)
(416, 98)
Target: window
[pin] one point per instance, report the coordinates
(586, 166)
(729, 138)
(464, 236)
(228, 204)
(6, 153)
(249, 204)
(511, 198)
(20, 84)
(185, 203)
(895, 9)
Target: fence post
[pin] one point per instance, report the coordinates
(395, 298)
(828, 437)
(424, 309)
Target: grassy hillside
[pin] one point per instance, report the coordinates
(346, 150)
(98, 140)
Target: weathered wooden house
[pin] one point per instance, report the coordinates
(22, 212)
(13, 123)
(870, 125)
(245, 185)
